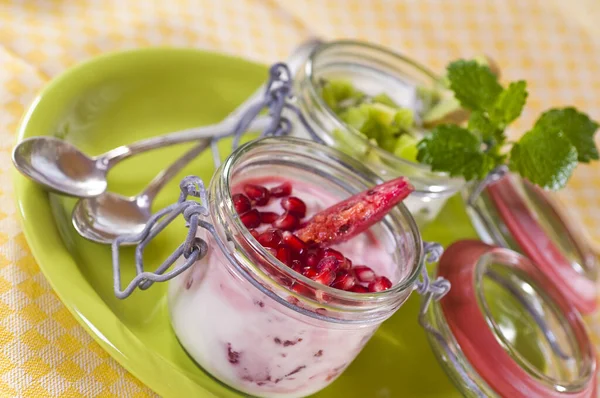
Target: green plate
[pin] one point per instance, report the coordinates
(120, 98)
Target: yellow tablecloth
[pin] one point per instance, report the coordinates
(554, 45)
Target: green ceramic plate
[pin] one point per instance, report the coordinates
(120, 98)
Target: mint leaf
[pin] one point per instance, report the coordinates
(474, 85)
(455, 150)
(576, 126)
(545, 157)
(482, 126)
(510, 103)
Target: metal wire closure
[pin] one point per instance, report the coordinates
(278, 93)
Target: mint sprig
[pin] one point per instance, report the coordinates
(546, 155)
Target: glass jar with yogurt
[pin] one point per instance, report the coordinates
(375, 71)
(253, 322)
(516, 214)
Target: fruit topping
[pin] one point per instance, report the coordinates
(286, 222)
(282, 190)
(380, 283)
(304, 246)
(258, 194)
(354, 215)
(241, 203)
(251, 219)
(294, 206)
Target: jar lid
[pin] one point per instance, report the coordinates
(541, 231)
(504, 329)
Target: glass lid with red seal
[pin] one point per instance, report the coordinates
(505, 329)
(509, 211)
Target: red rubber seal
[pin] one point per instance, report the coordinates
(477, 340)
(539, 247)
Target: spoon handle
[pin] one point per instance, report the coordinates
(294, 62)
(112, 157)
(166, 175)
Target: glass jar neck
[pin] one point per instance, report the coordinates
(322, 167)
(371, 68)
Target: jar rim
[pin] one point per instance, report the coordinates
(226, 205)
(312, 87)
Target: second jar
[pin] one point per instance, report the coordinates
(376, 72)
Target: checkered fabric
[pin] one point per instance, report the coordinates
(553, 44)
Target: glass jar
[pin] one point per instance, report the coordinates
(505, 330)
(516, 214)
(254, 323)
(374, 70)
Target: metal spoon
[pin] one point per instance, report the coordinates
(101, 219)
(60, 167)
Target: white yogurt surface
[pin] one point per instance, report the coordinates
(254, 344)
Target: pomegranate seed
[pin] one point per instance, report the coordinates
(310, 272)
(331, 263)
(257, 194)
(344, 265)
(294, 205)
(311, 260)
(297, 266)
(270, 238)
(343, 281)
(282, 190)
(325, 277)
(364, 273)
(380, 283)
(294, 242)
(359, 289)
(254, 233)
(284, 254)
(241, 203)
(271, 250)
(286, 222)
(251, 219)
(267, 217)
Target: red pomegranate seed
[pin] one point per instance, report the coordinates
(241, 203)
(359, 289)
(297, 266)
(268, 217)
(380, 283)
(272, 251)
(251, 219)
(294, 205)
(343, 281)
(294, 242)
(284, 254)
(282, 190)
(364, 273)
(270, 238)
(311, 260)
(310, 272)
(334, 253)
(354, 215)
(286, 222)
(254, 233)
(257, 194)
(325, 277)
(331, 263)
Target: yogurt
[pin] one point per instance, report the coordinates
(252, 342)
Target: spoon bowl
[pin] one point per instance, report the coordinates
(60, 167)
(109, 215)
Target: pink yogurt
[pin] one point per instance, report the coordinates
(252, 342)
